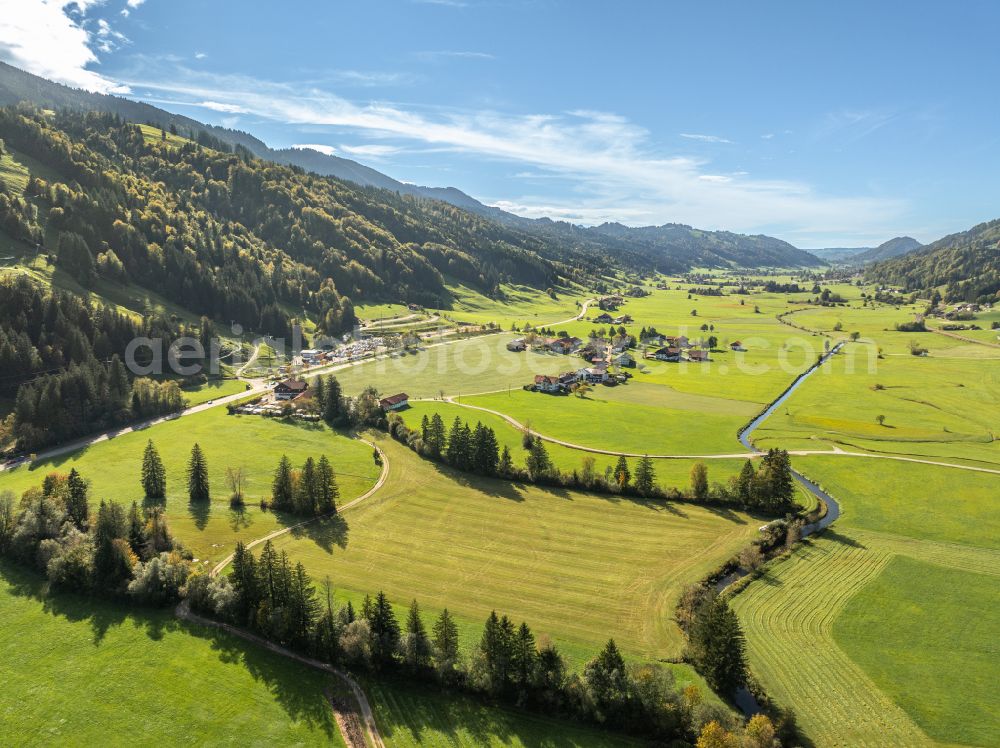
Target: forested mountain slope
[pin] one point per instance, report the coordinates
(967, 264)
(234, 237)
(669, 248)
(896, 247)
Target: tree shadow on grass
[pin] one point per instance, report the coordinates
(239, 519)
(301, 698)
(325, 533)
(200, 511)
(725, 512)
(837, 537)
(495, 487)
(101, 613)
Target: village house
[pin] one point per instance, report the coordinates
(610, 302)
(547, 383)
(565, 345)
(624, 319)
(678, 341)
(698, 355)
(568, 378)
(594, 374)
(669, 353)
(395, 402)
(312, 356)
(604, 319)
(517, 345)
(289, 389)
(656, 339)
(736, 345)
(623, 359)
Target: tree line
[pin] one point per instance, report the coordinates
(277, 599)
(769, 488)
(116, 551)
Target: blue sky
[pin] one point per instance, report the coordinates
(826, 124)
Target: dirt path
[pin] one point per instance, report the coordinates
(183, 611)
(836, 452)
(218, 568)
(948, 334)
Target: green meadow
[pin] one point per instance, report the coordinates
(252, 442)
(576, 566)
(409, 715)
(123, 676)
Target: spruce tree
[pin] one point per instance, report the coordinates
(608, 682)
(327, 491)
(333, 411)
(745, 483)
(197, 474)
(718, 647)
(506, 465)
(302, 607)
(523, 657)
(445, 643)
(136, 531)
(425, 428)
(538, 462)
(416, 645)
(282, 487)
(245, 583)
(436, 435)
(306, 489)
(76, 499)
(645, 476)
(384, 630)
(154, 475)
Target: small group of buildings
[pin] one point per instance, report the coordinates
(610, 303)
(675, 354)
(606, 319)
(563, 346)
(557, 384)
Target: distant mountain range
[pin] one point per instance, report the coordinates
(837, 254)
(901, 245)
(667, 248)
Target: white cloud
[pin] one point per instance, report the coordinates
(218, 106)
(371, 151)
(329, 150)
(704, 138)
(200, 55)
(616, 171)
(49, 38)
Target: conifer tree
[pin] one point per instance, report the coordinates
(245, 583)
(538, 462)
(416, 646)
(302, 607)
(645, 476)
(76, 499)
(745, 483)
(384, 630)
(436, 435)
(136, 531)
(197, 474)
(523, 657)
(327, 491)
(506, 465)
(608, 682)
(154, 475)
(718, 647)
(445, 643)
(282, 487)
(307, 489)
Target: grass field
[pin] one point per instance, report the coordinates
(578, 567)
(669, 473)
(79, 671)
(911, 626)
(923, 502)
(408, 715)
(250, 441)
(211, 390)
(882, 631)
(606, 420)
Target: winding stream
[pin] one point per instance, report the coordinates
(832, 507)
